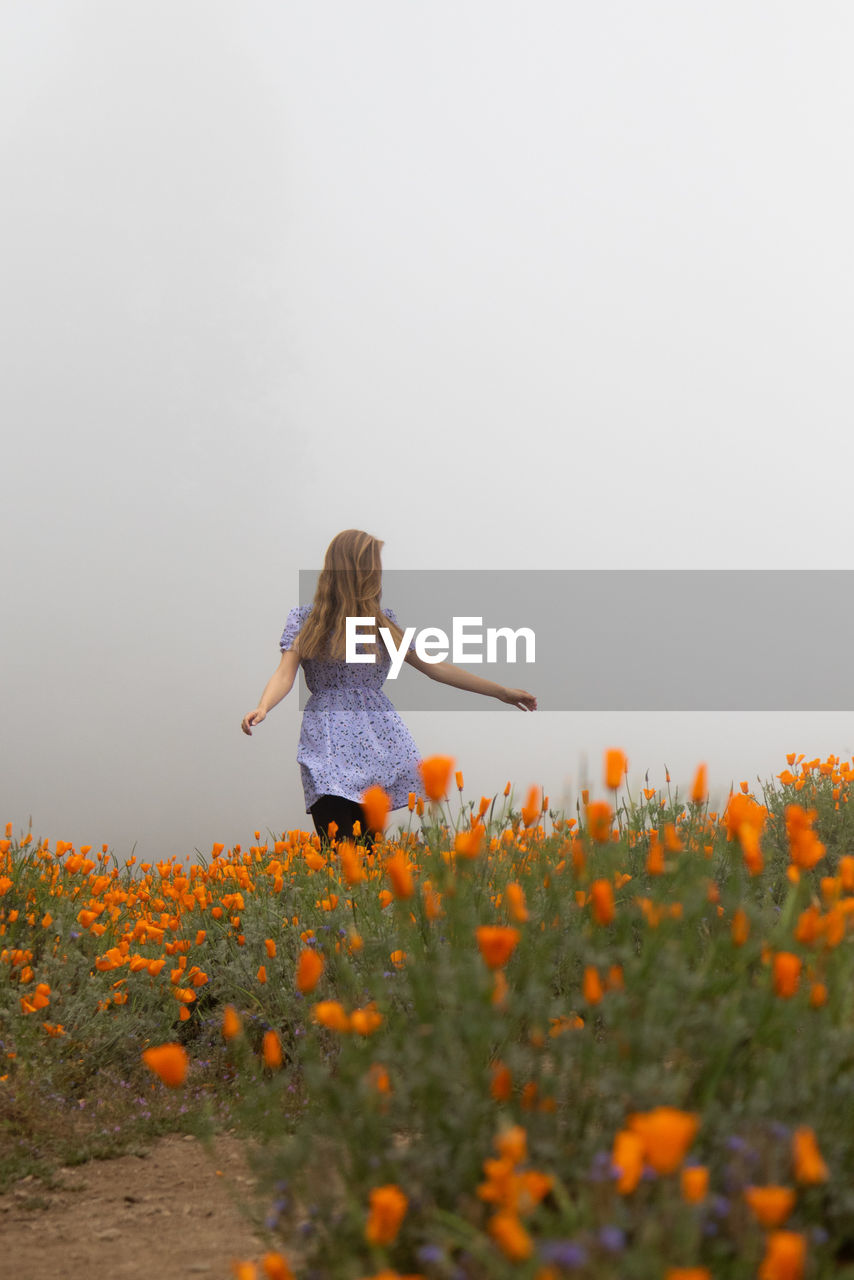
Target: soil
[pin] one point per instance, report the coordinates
(165, 1213)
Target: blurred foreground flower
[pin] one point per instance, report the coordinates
(332, 1015)
(496, 943)
(666, 1133)
(771, 1205)
(231, 1024)
(785, 1256)
(531, 808)
(436, 772)
(615, 767)
(377, 805)
(168, 1061)
(809, 1164)
(275, 1267)
(388, 1207)
(309, 969)
(599, 821)
(700, 785)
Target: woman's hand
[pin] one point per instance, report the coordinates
(519, 698)
(252, 718)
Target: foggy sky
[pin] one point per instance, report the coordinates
(539, 286)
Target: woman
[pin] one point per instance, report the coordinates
(352, 738)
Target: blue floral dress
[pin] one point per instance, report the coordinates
(352, 737)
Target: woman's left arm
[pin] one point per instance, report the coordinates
(447, 673)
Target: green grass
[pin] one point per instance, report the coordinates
(695, 1024)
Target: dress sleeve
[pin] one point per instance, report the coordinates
(390, 613)
(292, 626)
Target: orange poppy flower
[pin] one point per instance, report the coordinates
(310, 966)
(809, 925)
(741, 808)
(531, 808)
(365, 1021)
(699, 787)
(275, 1267)
(787, 972)
(436, 774)
(510, 1236)
(599, 821)
(377, 805)
(272, 1049)
(818, 995)
(655, 856)
(615, 980)
(331, 1014)
(469, 844)
(351, 863)
(808, 1163)
(501, 1087)
(602, 898)
(748, 838)
(515, 897)
(740, 929)
(557, 1026)
(232, 1024)
(672, 841)
(592, 986)
(785, 1256)
(378, 1078)
(627, 1156)
(432, 901)
(615, 767)
(805, 848)
(666, 1133)
(771, 1205)
(496, 943)
(694, 1183)
(399, 873)
(168, 1061)
(387, 1211)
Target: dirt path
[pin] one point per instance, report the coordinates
(164, 1214)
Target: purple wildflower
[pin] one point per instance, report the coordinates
(612, 1239)
(563, 1253)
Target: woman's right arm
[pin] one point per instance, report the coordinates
(278, 686)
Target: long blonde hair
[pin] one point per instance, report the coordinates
(348, 585)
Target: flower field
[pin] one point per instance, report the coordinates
(503, 1042)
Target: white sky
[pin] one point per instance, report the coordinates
(541, 285)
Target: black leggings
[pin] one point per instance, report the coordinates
(345, 812)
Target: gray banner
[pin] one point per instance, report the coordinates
(633, 640)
